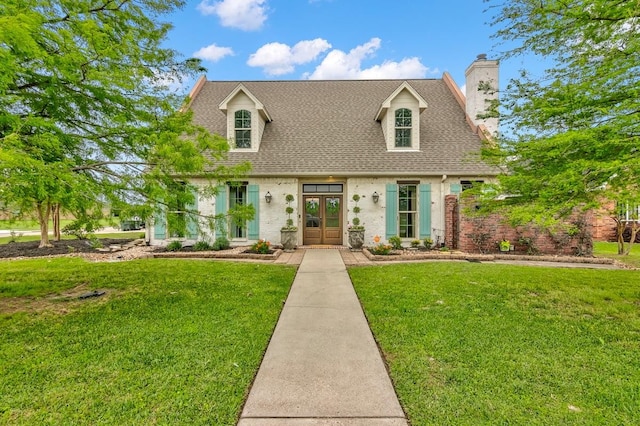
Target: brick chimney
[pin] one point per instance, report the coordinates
(482, 87)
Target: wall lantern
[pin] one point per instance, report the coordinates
(268, 197)
(375, 197)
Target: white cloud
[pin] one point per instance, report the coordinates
(213, 53)
(340, 65)
(247, 15)
(463, 89)
(279, 58)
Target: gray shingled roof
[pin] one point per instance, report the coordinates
(326, 128)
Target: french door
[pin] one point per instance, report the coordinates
(322, 219)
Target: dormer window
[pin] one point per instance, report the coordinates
(246, 119)
(242, 127)
(399, 117)
(403, 128)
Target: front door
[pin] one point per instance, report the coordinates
(323, 219)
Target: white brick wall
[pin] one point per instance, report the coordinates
(372, 215)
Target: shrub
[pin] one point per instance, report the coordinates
(415, 243)
(174, 246)
(289, 210)
(221, 243)
(396, 242)
(261, 247)
(381, 249)
(201, 246)
(82, 228)
(95, 243)
(428, 243)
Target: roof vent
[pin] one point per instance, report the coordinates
(482, 57)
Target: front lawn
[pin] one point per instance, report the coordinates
(171, 342)
(610, 250)
(472, 344)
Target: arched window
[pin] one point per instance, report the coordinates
(242, 128)
(403, 128)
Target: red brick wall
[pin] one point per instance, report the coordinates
(483, 234)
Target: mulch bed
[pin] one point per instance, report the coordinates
(30, 248)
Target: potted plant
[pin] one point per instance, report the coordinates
(505, 245)
(289, 232)
(356, 230)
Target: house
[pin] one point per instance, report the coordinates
(402, 145)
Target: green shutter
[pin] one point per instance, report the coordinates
(221, 200)
(192, 219)
(221, 209)
(391, 208)
(456, 188)
(159, 226)
(424, 210)
(253, 227)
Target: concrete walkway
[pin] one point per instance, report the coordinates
(322, 366)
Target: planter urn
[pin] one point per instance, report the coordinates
(356, 239)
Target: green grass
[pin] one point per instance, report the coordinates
(485, 344)
(28, 225)
(610, 250)
(115, 235)
(173, 341)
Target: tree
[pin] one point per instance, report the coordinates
(86, 117)
(572, 135)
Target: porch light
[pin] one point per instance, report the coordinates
(375, 196)
(267, 197)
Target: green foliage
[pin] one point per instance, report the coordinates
(95, 242)
(289, 210)
(261, 247)
(83, 227)
(396, 242)
(86, 117)
(470, 343)
(174, 245)
(202, 246)
(355, 221)
(381, 249)
(428, 243)
(221, 243)
(571, 134)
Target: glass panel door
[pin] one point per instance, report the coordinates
(312, 220)
(332, 222)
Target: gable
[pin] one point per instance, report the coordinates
(321, 128)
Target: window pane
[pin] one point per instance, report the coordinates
(237, 197)
(403, 137)
(243, 138)
(242, 119)
(407, 225)
(332, 212)
(403, 117)
(407, 202)
(312, 212)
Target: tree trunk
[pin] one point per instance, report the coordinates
(635, 227)
(55, 211)
(619, 234)
(43, 218)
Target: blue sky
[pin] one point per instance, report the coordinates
(336, 39)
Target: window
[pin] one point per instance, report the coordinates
(308, 188)
(180, 219)
(628, 213)
(468, 184)
(242, 125)
(407, 209)
(403, 128)
(238, 197)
